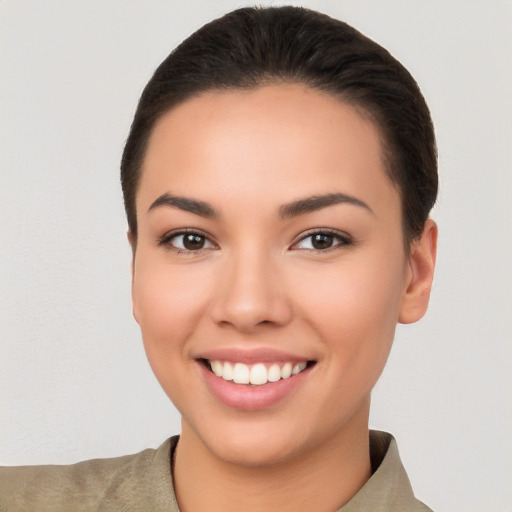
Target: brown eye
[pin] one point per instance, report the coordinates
(322, 241)
(187, 241)
(193, 241)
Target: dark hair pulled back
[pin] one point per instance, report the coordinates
(252, 47)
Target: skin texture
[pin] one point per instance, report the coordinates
(257, 283)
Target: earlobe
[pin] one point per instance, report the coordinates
(422, 260)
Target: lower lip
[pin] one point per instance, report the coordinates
(251, 398)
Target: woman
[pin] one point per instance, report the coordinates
(278, 179)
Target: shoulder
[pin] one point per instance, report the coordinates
(129, 482)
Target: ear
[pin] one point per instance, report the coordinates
(133, 243)
(422, 261)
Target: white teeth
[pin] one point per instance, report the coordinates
(227, 371)
(241, 374)
(257, 374)
(298, 368)
(286, 370)
(274, 373)
(217, 368)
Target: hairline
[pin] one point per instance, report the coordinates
(387, 154)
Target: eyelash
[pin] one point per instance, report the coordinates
(343, 240)
(165, 241)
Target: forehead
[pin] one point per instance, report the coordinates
(277, 140)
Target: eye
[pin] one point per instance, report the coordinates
(322, 241)
(187, 241)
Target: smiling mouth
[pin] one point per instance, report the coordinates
(255, 374)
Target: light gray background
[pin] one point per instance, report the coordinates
(74, 380)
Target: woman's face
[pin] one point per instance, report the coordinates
(270, 241)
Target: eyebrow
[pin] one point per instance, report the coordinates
(314, 203)
(294, 209)
(186, 204)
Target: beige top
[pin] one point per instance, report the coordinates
(143, 482)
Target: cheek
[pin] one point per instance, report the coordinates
(167, 305)
(354, 308)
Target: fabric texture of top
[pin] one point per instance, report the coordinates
(143, 482)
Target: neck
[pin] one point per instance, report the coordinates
(322, 479)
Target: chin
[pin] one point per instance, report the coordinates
(256, 452)
(250, 443)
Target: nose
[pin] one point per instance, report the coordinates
(251, 293)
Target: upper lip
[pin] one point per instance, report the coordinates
(250, 356)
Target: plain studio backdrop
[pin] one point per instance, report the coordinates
(75, 383)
